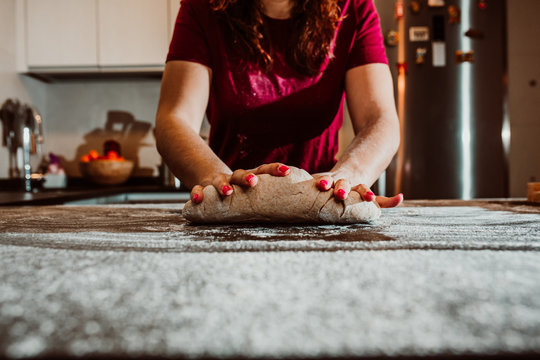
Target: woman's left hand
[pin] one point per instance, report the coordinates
(342, 188)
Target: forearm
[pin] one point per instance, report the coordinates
(186, 154)
(370, 152)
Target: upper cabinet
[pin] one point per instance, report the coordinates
(133, 32)
(61, 33)
(98, 34)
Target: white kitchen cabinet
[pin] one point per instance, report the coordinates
(105, 35)
(132, 32)
(61, 33)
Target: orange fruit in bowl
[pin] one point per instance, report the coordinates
(109, 169)
(107, 172)
(93, 154)
(112, 155)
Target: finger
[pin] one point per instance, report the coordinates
(222, 185)
(244, 178)
(275, 169)
(341, 189)
(324, 182)
(365, 192)
(388, 202)
(197, 194)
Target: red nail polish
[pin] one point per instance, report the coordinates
(250, 177)
(341, 194)
(369, 196)
(283, 168)
(226, 190)
(323, 184)
(195, 198)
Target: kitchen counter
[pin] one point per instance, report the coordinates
(103, 194)
(432, 279)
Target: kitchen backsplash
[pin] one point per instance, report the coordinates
(81, 115)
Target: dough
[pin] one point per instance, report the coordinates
(290, 199)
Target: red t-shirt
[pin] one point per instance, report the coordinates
(280, 116)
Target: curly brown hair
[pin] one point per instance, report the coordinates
(314, 24)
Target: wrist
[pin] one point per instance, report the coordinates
(208, 177)
(340, 172)
(354, 177)
(204, 172)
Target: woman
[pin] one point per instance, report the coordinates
(272, 76)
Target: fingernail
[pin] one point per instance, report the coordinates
(323, 184)
(369, 196)
(398, 199)
(250, 178)
(283, 168)
(341, 194)
(226, 190)
(195, 198)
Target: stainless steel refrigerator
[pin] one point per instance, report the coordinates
(448, 59)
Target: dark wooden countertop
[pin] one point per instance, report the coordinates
(165, 215)
(78, 191)
(429, 279)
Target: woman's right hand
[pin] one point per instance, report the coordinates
(248, 178)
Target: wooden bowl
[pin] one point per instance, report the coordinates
(107, 172)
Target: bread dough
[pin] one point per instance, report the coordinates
(290, 199)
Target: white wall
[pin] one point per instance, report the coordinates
(11, 84)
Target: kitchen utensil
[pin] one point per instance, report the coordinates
(22, 135)
(12, 133)
(32, 119)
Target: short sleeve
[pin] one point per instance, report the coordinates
(190, 39)
(368, 45)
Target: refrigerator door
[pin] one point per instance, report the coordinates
(451, 101)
